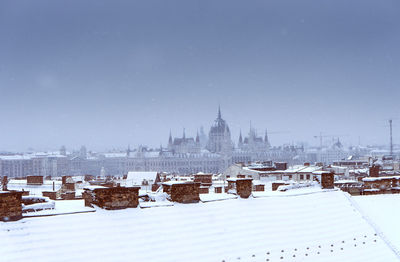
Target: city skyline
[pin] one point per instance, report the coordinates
(328, 139)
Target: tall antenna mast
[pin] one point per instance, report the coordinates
(391, 138)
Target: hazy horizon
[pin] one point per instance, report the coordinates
(106, 74)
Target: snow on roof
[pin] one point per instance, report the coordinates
(258, 182)
(21, 185)
(30, 156)
(16, 157)
(137, 177)
(115, 155)
(203, 174)
(24, 182)
(310, 169)
(370, 179)
(94, 187)
(321, 172)
(312, 227)
(376, 207)
(359, 170)
(249, 170)
(346, 182)
(294, 169)
(233, 179)
(170, 183)
(47, 154)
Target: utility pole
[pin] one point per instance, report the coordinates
(391, 137)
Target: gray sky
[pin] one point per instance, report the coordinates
(111, 73)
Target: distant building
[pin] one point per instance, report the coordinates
(254, 143)
(16, 166)
(184, 155)
(184, 145)
(219, 137)
(38, 164)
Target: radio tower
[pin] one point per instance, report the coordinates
(391, 138)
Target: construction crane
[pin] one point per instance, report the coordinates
(321, 136)
(267, 133)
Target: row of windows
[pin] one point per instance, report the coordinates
(307, 177)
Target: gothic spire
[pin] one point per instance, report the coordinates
(219, 112)
(184, 135)
(197, 137)
(170, 138)
(266, 140)
(240, 138)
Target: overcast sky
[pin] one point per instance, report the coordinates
(111, 73)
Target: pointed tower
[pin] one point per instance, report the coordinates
(219, 137)
(266, 140)
(240, 143)
(170, 139)
(183, 135)
(197, 146)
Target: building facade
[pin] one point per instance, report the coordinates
(184, 155)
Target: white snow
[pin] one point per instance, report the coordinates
(346, 181)
(137, 178)
(319, 226)
(384, 211)
(297, 186)
(216, 197)
(234, 179)
(35, 198)
(156, 204)
(39, 206)
(61, 207)
(321, 172)
(290, 192)
(170, 183)
(380, 178)
(93, 187)
(21, 185)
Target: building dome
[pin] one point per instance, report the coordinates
(219, 126)
(219, 136)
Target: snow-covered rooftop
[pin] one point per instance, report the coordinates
(324, 226)
(170, 183)
(21, 185)
(94, 187)
(346, 181)
(233, 179)
(137, 177)
(310, 169)
(380, 178)
(321, 172)
(16, 157)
